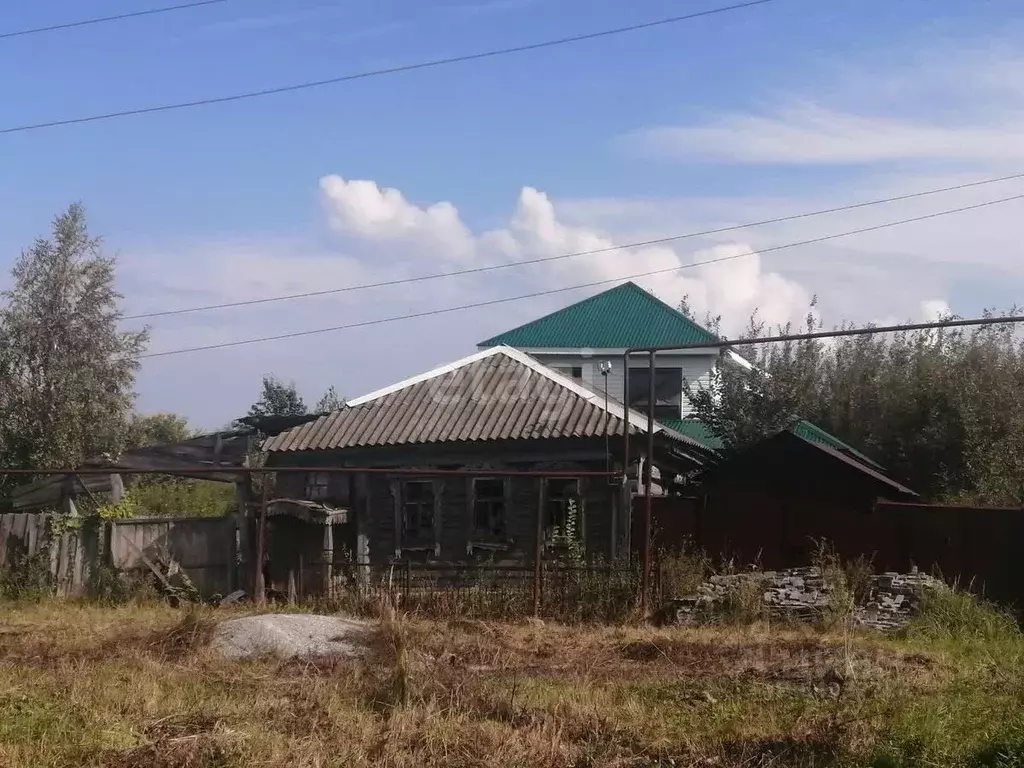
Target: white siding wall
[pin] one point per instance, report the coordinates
(696, 370)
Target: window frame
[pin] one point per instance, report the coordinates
(551, 524)
(317, 486)
(665, 407)
(424, 533)
(570, 372)
(492, 501)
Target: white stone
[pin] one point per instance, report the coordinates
(291, 635)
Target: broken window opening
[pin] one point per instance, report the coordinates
(418, 510)
(489, 506)
(317, 485)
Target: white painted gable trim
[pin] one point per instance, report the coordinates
(601, 352)
(638, 420)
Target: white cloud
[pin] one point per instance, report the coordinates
(812, 134)
(954, 106)
(880, 141)
(366, 210)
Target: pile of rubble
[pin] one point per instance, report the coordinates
(891, 600)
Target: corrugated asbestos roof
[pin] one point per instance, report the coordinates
(622, 317)
(500, 394)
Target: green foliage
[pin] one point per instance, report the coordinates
(278, 398)
(67, 370)
(331, 401)
(119, 510)
(940, 409)
(157, 429)
(962, 616)
(183, 498)
(26, 577)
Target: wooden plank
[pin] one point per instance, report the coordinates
(79, 572)
(32, 536)
(62, 558)
(20, 526)
(54, 543)
(149, 564)
(6, 525)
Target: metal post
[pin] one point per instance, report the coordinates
(538, 547)
(259, 588)
(648, 474)
(625, 417)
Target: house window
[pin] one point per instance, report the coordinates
(574, 372)
(489, 506)
(317, 484)
(561, 495)
(668, 391)
(418, 509)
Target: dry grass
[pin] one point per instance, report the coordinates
(136, 686)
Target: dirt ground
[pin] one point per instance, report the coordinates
(138, 686)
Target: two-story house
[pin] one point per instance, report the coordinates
(578, 339)
(581, 340)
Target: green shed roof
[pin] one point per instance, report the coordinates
(695, 429)
(805, 429)
(621, 317)
(816, 434)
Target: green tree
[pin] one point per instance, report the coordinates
(156, 429)
(67, 371)
(331, 401)
(941, 409)
(278, 398)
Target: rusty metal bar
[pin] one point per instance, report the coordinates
(258, 587)
(645, 578)
(567, 473)
(538, 548)
(833, 334)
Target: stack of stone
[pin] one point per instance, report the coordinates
(804, 594)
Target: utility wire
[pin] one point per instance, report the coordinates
(104, 19)
(549, 292)
(546, 259)
(379, 72)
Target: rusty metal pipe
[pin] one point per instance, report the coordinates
(645, 578)
(327, 468)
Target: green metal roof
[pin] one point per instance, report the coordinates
(622, 317)
(694, 429)
(805, 429)
(816, 434)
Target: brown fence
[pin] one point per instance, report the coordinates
(980, 547)
(33, 542)
(206, 550)
(567, 593)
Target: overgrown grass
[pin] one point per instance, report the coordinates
(136, 685)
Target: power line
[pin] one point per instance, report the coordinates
(388, 71)
(104, 19)
(549, 292)
(546, 259)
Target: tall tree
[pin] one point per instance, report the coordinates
(278, 398)
(67, 372)
(157, 428)
(941, 409)
(331, 401)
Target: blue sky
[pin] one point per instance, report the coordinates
(790, 106)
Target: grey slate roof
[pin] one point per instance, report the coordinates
(499, 394)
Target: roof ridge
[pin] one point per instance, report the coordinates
(667, 312)
(615, 409)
